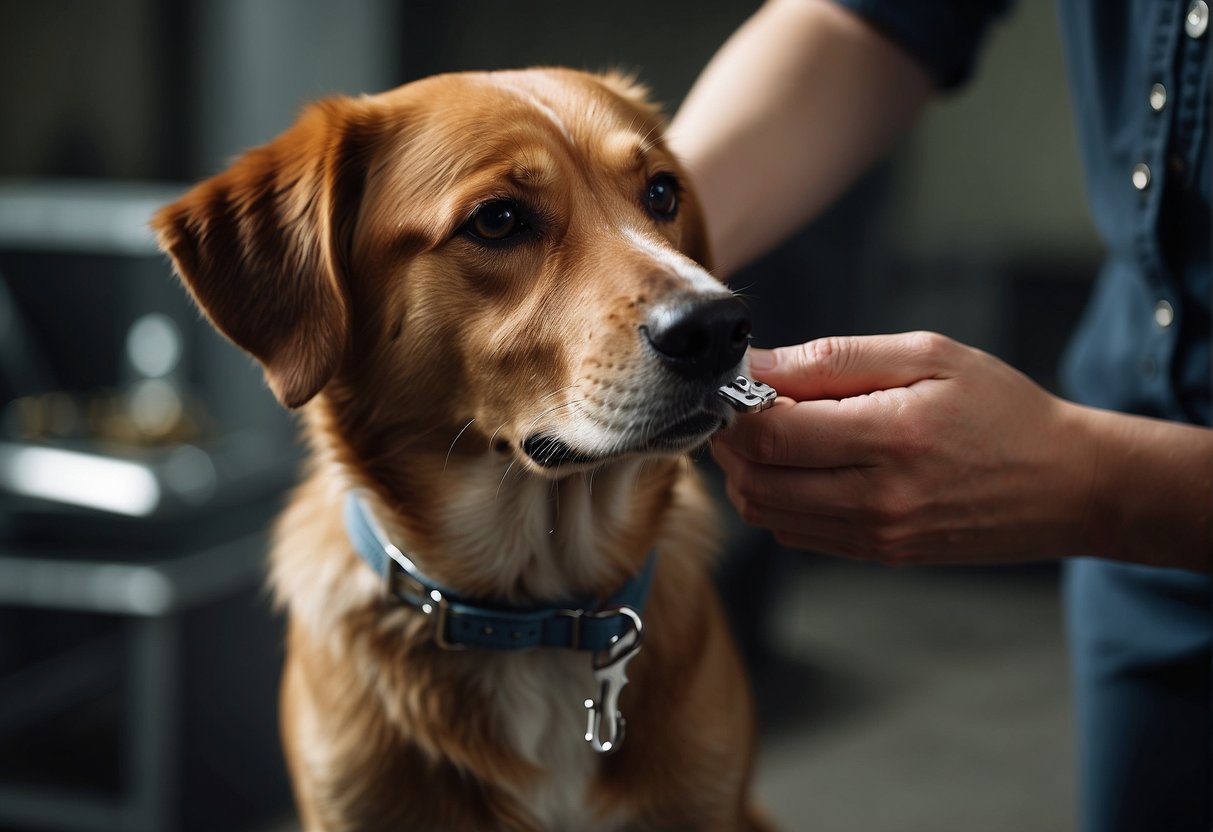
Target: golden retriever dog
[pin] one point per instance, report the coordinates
(486, 295)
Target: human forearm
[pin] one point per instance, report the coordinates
(1151, 492)
(792, 109)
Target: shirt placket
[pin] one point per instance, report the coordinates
(1188, 126)
(1147, 177)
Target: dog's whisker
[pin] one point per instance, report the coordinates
(502, 482)
(637, 472)
(557, 391)
(549, 412)
(453, 441)
(644, 140)
(554, 408)
(494, 436)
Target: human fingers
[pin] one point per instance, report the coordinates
(842, 366)
(859, 430)
(859, 535)
(828, 491)
(798, 529)
(849, 536)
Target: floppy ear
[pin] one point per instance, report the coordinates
(262, 246)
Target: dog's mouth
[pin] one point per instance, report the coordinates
(690, 430)
(548, 451)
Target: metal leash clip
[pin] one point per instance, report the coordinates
(746, 395)
(604, 729)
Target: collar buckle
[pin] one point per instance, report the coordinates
(575, 636)
(401, 584)
(438, 609)
(406, 586)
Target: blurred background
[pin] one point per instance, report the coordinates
(141, 458)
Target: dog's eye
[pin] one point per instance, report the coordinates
(662, 197)
(495, 221)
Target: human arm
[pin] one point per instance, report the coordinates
(793, 108)
(916, 449)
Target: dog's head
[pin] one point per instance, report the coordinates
(516, 249)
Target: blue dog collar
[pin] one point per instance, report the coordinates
(461, 623)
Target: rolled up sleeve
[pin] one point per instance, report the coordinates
(944, 36)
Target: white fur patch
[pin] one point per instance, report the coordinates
(534, 101)
(676, 261)
(539, 698)
(551, 114)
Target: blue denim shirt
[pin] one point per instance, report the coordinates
(1139, 73)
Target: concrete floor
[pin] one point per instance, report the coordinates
(933, 700)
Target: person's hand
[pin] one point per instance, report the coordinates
(908, 449)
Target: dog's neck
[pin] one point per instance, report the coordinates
(540, 538)
(482, 525)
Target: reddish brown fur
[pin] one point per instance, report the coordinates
(333, 255)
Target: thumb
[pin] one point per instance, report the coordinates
(842, 366)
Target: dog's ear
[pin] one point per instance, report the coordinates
(263, 246)
(627, 86)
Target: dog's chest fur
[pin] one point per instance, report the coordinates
(548, 539)
(538, 697)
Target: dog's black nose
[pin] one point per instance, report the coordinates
(700, 339)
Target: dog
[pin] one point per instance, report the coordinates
(487, 294)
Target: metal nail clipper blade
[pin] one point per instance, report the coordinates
(746, 395)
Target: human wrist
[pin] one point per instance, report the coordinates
(1088, 514)
(1069, 460)
(1150, 496)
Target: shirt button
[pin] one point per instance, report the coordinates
(1141, 176)
(1158, 97)
(1164, 314)
(1198, 19)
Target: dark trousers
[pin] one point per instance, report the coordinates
(1140, 649)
